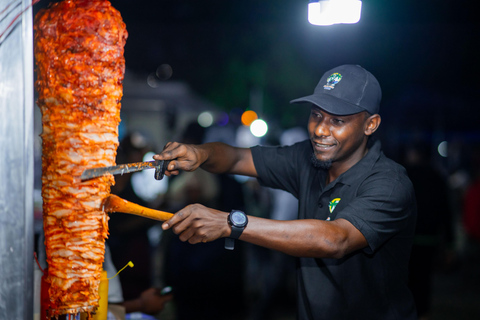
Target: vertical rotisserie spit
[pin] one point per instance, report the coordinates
(80, 66)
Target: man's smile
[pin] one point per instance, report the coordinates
(323, 146)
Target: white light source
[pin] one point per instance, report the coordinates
(443, 149)
(205, 119)
(145, 186)
(328, 12)
(259, 128)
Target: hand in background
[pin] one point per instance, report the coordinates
(150, 301)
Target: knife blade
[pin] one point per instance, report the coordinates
(159, 166)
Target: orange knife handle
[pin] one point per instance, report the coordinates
(114, 203)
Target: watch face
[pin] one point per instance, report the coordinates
(238, 218)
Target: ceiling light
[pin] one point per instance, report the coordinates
(328, 12)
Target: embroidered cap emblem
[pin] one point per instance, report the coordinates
(332, 81)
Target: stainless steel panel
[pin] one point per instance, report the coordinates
(16, 161)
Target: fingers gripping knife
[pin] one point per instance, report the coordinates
(159, 165)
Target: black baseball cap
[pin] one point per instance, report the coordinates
(344, 90)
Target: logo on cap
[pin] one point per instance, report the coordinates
(332, 81)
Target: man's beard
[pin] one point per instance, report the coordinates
(320, 164)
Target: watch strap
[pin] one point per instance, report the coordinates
(229, 243)
(236, 232)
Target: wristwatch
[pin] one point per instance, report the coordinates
(238, 220)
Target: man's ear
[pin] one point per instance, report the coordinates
(372, 123)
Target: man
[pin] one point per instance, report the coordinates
(356, 207)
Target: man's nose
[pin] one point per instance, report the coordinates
(322, 129)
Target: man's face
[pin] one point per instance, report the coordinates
(337, 140)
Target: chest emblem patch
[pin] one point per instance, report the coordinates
(333, 204)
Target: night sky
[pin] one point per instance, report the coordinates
(424, 54)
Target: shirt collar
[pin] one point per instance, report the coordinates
(364, 165)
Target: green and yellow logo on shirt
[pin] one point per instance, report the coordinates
(333, 204)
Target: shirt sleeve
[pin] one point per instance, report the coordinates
(278, 167)
(383, 207)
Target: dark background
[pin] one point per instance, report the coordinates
(424, 53)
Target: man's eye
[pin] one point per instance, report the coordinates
(338, 121)
(315, 114)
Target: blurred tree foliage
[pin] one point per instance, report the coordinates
(259, 62)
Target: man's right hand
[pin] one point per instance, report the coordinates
(214, 157)
(185, 157)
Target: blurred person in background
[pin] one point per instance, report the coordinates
(128, 238)
(434, 232)
(200, 275)
(471, 210)
(277, 268)
(357, 209)
(151, 301)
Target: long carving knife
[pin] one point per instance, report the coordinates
(159, 166)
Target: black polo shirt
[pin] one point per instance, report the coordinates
(377, 197)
